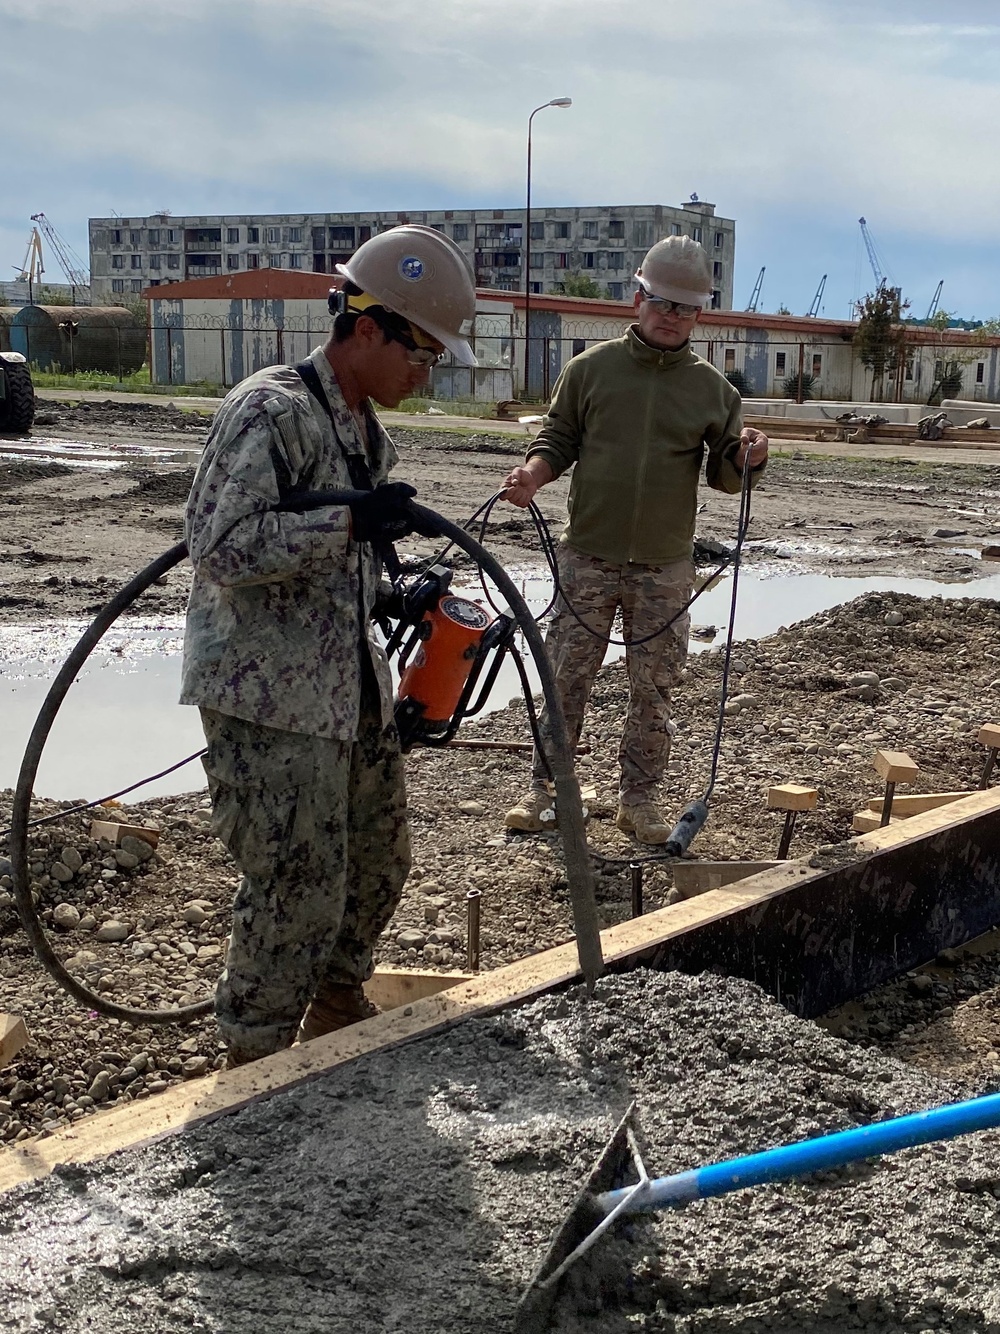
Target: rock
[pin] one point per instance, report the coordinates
(21, 1092)
(210, 952)
(864, 679)
(61, 872)
(951, 532)
(138, 847)
(471, 808)
(71, 857)
(195, 1065)
(113, 931)
(411, 939)
(921, 985)
(128, 1074)
(126, 861)
(65, 916)
(894, 618)
(194, 915)
(87, 922)
(99, 1088)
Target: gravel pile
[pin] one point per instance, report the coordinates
(417, 1189)
(811, 704)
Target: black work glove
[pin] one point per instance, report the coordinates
(385, 514)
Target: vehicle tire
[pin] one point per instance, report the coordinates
(17, 408)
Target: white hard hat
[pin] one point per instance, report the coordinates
(677, 269)
(418, 273)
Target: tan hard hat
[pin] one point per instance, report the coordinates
(418, 273)
(677, 269)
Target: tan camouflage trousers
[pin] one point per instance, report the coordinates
(648, 595)
(318, 829)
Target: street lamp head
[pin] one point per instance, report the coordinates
(561, 102)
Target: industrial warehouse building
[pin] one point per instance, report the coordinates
(218, 330)
(604, 243)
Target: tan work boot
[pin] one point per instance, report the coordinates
(645, 821)
(335, 1007)
(533, 813)
(236, 1057)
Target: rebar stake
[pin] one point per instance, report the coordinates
(790, 798)
(989, 736)
(472, 900)
(636, 869)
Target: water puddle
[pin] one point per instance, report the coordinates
(89, 453)
(121, 720)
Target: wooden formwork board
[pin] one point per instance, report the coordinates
(813, 936)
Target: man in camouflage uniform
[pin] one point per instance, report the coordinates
(634, 417)
(295, 694)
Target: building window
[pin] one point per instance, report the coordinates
(118, 284)
(155, 261)
(294, 235)
(273, 235)
(616, 229)
(538, 231)
(616, 259)
(779, 364)
(716, 302)
(116, 236)
(720, 240)
(136, 284)
(696, 234)
(117, 261)
(909, 368)
(587, 259)
(717, 271)
(615, 291)
(590, 231)
(579, 345)
(509, 260)
(729, 361)
(817, 365)
(560, 261)
(537, 260)
(232, 261)
(232, 236)
(173, 235)
(536, 287)
(640, 233)
(135, 238)
(675, 229)
(980, 371)
(253, 235)
(295, 261)
(136, 261)
(154, 236)
(173, 261)
(460, 231)
(253, 261)
(560, 230)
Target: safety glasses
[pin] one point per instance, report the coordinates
(665, 307)
(425, 357)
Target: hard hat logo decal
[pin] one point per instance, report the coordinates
(411, 268)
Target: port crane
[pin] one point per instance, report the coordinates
(70, 263)
(755, 295)
(32, 268)
(814, 308)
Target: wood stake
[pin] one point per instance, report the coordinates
(13, 1036)
(895, 766)
(790, 798)
(989, 736)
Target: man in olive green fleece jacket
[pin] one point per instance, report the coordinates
(633, 417)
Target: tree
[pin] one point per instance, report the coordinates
(790, 386)
(950, 360)
(880, 338)
(739, 382)
(782, 310)
(581, 284)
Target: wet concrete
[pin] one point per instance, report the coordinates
(416, 1189)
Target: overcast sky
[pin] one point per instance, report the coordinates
(795, 117)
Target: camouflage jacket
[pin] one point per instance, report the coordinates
(278, 617)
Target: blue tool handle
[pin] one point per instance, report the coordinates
(812, 1155)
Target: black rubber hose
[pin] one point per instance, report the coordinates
(68, 673)
(571, 819)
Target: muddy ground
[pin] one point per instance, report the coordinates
(70, 535)
(103, 489)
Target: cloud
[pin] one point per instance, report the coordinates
(795, 118)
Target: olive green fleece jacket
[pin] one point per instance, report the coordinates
(636, 423)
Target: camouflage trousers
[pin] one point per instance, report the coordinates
(648, 595)
(318, 829)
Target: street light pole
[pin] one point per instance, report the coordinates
(556, 102)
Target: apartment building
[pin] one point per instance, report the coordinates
(603, 243)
